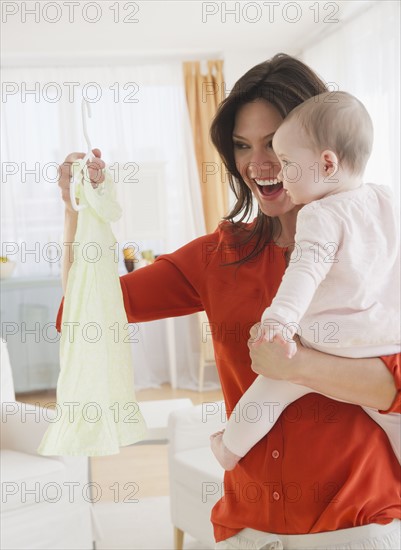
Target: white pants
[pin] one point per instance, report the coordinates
(261, 405)
(373, 536)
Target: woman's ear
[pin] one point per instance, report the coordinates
(329, 162)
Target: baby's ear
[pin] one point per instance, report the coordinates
(329, 161)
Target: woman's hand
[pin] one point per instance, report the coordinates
(365, 381)
(268, 358)
(95, 168)
(97, 177)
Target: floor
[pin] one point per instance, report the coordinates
(141, 470)
(131, 526)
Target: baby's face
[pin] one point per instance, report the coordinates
(301, 167)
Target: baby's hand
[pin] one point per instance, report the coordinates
(290, 347)
(272, 331)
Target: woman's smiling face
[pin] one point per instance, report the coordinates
(255, 125)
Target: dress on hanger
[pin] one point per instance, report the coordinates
(96, 411)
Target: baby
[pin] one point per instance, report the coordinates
(341, 290)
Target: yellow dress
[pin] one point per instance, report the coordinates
(96, 409)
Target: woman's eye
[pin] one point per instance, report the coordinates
(270, 144)
(239, 145)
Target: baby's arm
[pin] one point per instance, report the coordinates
(317, 236)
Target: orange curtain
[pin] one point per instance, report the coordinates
(204, 93)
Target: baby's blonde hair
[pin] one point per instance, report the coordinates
(337, 121)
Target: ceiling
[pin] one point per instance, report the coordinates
(169, 27)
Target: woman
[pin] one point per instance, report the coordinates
(293, 482)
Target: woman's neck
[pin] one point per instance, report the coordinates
(285, 235)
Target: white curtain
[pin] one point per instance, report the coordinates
(139, 115)
(362, 56)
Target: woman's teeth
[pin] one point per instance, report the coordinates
(269, 187)
(266, 182)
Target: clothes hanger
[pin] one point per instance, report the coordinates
(79, 165)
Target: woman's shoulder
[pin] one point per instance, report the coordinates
(225, 239)
(226, 231)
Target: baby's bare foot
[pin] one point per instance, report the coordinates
(226, 458)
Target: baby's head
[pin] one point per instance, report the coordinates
(323, 146)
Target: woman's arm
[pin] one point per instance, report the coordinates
(70, 227)
(366, 382)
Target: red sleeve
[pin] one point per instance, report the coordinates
(393, 363)
(158, 291)
(163, 289)
(60, 315)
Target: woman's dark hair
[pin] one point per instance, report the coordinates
(285, 82)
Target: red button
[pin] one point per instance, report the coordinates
(276, 495)
(275, 454)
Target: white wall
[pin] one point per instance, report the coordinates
(363, 58)
(237, 63)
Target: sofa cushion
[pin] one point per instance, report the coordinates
(29, 479)
(7, 392)
(199, 471)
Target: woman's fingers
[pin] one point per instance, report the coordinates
(95, 169)
(255, 334)
(96, 172)
(290, 347)
(268, 359)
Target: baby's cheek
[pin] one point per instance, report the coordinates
(293, 174)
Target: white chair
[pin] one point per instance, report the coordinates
(45, 501)
(196, 478)
(206, 357)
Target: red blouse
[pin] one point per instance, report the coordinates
(325, 465)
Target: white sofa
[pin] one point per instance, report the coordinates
(45, 501)
(196, 478)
